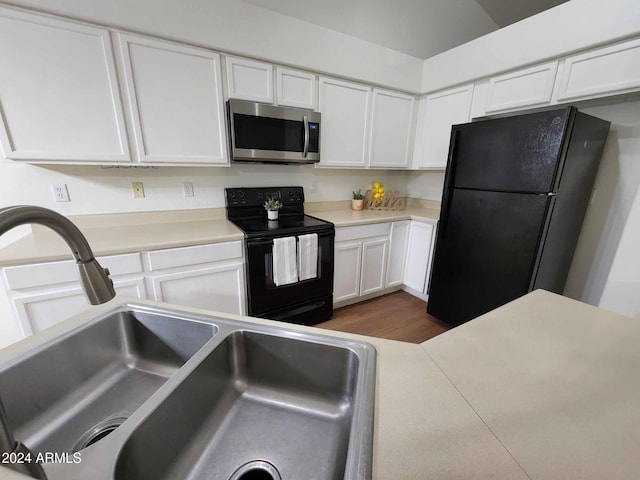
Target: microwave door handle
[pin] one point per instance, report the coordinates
(306, 136)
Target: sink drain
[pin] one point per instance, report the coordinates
(256, 470)
(98, 432)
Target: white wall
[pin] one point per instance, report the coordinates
(235, 26)
(426, 184)
(606, 263)
(569, 27)
(421, 28)
(108, 190)
(622, 290)
(616, 184)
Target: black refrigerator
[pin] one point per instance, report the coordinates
(515, 194)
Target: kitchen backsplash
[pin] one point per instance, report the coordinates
(108, 190)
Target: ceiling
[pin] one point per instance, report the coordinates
(421, 28)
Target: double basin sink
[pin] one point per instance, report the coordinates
(146, 393)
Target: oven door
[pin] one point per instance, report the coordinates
(308, 301)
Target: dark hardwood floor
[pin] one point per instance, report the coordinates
(396, 316)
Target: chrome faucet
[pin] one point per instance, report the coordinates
(96, 284)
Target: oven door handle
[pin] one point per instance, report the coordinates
(259, 241)
(305, 120)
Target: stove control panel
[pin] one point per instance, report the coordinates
(256, 196)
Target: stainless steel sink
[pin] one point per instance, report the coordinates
(143, 393)
(70, 392)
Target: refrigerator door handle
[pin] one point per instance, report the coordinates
(449, 175)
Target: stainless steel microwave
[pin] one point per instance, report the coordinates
(264, 133)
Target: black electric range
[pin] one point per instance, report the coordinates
(306, 302)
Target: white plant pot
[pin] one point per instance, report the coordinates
(272, 214)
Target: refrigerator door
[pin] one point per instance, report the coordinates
(516, 154)
(485, 252)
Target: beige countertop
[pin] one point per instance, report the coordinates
(131, 232)
(556, 381)
(542, 388)
(341, 215)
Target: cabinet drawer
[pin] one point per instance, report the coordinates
(362, 231)
(183, 256)
(55, 273)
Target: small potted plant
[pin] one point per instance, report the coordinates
(272, 205)
(357, 203)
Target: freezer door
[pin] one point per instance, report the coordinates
(486, 251)
(514, 154)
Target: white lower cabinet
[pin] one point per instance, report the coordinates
(397, 252)
(44, 294)
(417, 265)
(360, 261)
(379, 258)
(39, 310)
(374, 265)
(202, 276)
(347, 261)
(217, 287)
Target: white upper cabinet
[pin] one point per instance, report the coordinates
(175, 99)
(58, 91)
(437, 113)
(605, 71)
(249, 80)
(296, 88)
(529, 87)
(345, 123)
(390, 141)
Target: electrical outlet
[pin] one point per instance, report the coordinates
(138, 189)
(60, 192)
(314, 187)
(188, 189)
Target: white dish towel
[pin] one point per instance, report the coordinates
(284, 261)
(308, 256)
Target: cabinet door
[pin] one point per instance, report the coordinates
(346, 270)
(529, 87)
(249, 80)
(175, 100)
(390, 143)
(418, 261)
(345, 123)
(58, 91)
(217, 287)
(296, 89)
(374, 265)
(397, 252)
(438, 112)
(42, 309)
(605, 71)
